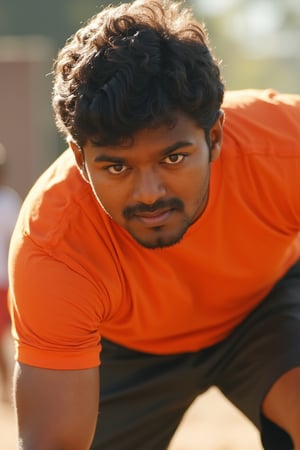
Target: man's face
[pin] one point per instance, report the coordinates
(157, 185)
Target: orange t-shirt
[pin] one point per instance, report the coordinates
(76, 275)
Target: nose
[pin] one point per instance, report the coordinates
(149, 187)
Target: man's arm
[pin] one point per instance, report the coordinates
(56, 409)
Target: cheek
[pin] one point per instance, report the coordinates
(193, 181)
(111, 196)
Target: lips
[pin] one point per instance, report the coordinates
(155, 218)
(158, 211)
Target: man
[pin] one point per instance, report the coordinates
(9, 210)
(145, 247)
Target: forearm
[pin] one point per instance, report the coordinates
(56, 410)
(39, 444)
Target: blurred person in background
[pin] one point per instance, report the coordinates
(9, 209)
(164, 242)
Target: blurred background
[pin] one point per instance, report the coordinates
(258, 42)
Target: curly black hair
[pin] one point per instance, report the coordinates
(132, 67)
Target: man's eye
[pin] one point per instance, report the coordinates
(176, 158)
(116, 169)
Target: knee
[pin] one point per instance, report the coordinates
(282, 404)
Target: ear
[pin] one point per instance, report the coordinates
(216, 137)
(80, 161)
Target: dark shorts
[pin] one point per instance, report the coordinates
(144, 396)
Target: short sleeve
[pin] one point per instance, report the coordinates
(55, 311)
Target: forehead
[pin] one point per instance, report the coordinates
(180, 126)
(156, 138)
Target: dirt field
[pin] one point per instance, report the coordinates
(211, 423)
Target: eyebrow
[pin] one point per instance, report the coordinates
(117, 159)
(109, 158)
(178, 145)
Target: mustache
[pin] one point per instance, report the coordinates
(174, 203)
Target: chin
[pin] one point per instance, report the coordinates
(160, 241)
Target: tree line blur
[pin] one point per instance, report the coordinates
(258, 41)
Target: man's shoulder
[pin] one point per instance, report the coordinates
(246, 98)
(57, 187)
(263, 105)
(56, 203)
(261, 122)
